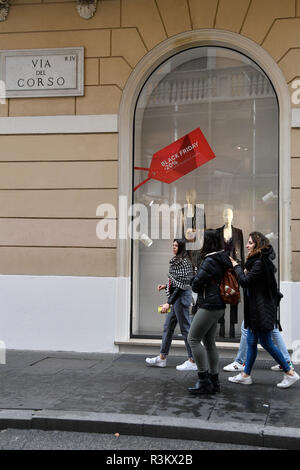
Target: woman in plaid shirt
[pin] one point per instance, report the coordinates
(179, 298)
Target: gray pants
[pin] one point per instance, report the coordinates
(204, 328)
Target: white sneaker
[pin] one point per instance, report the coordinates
(156, 361)
(234, 366)
(278, 368)
(240, 379)
(187, 365)
(288, 380)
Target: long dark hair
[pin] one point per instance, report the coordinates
(181, 253)
(260, 242)
(211, 243)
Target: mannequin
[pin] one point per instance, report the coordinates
(192, 215)
(233, 242)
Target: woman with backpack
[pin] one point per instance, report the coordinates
(214, 262)
(261, 299)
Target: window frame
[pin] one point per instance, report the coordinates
(134, 85)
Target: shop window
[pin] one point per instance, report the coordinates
(232, 101)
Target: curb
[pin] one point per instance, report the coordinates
(152, 426)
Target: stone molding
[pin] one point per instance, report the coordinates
(94, 123)
(86, 8)
(4, 9)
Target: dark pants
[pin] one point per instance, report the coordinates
(180, 313)
(233, 315)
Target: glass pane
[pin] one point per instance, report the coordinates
(231, 100)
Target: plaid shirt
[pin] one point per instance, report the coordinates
(180, 274)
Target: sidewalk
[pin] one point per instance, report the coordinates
(119, 393)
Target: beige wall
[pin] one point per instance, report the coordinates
(51, 185)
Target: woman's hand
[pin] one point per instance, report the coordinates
(161, 287)
(233, 262)
(165, 308)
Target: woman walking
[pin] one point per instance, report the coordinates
(239, 362)
(179, 295)
(211, 308)
(261, 298)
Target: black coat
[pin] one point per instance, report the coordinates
(237, 251)
(206, 281)
(260, 291)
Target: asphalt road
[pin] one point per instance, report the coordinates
(15, 439)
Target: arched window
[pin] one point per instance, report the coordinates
(232, 101)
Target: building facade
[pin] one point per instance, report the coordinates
(154, 70)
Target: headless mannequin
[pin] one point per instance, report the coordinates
(191, 197)
(232, 242)
(189, 222)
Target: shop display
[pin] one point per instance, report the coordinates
(192, 224)
(232, 242)
(228, 98)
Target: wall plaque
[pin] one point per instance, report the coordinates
(42, 72)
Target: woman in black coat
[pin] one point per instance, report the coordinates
(211, 308)
(261, 298)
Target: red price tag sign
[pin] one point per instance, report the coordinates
(179, 158)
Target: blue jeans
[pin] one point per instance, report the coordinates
(265, 339)
(180, 313)
(277, 340)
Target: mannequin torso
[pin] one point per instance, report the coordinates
(232, 242)
(227, 232)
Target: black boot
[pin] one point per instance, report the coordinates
(214, 378)
(231, 331)
(222, 330)
(203, 385)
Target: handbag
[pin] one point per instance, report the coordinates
(229, 288)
